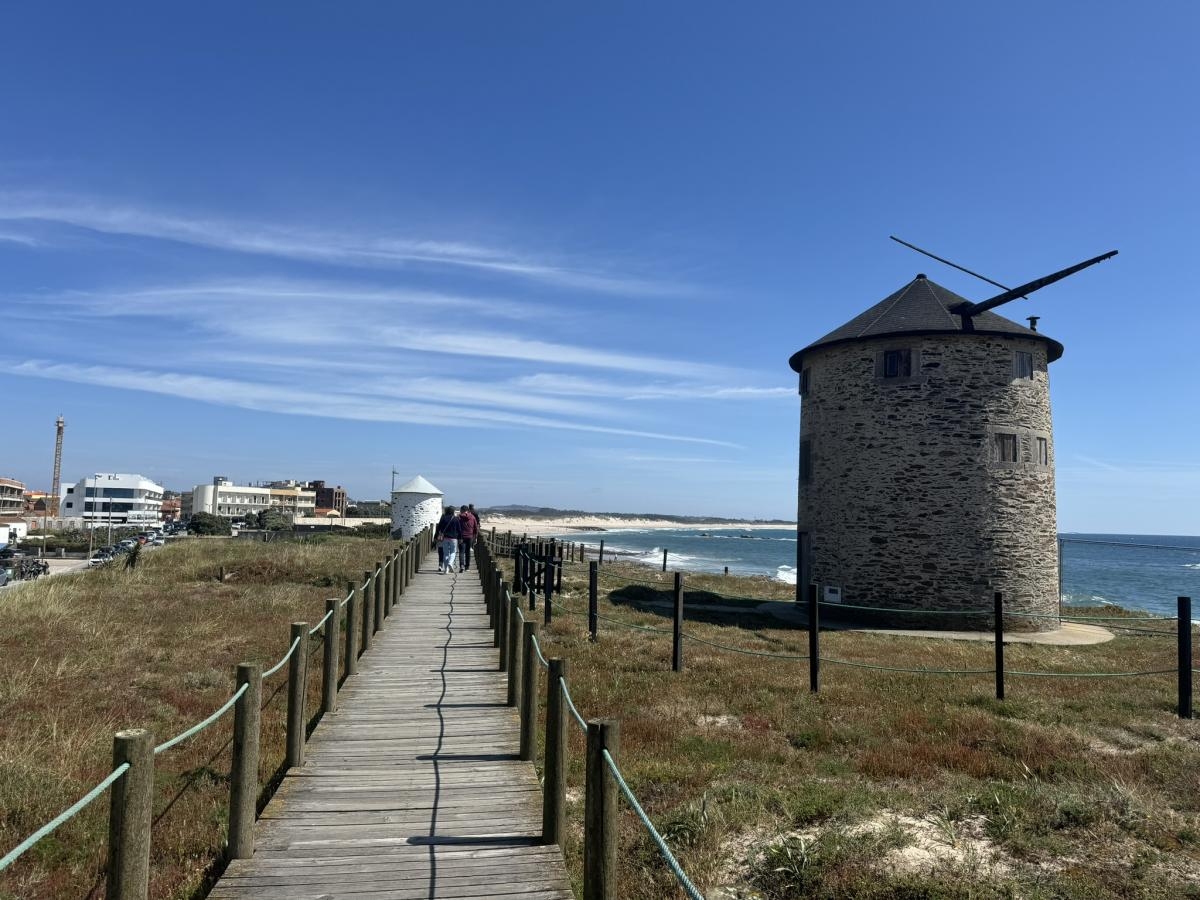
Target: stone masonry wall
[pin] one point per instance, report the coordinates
(413, 512)
(907, 504)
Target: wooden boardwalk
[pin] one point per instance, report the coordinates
(412, 789)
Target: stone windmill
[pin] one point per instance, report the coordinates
(416, 504)
(927, 456)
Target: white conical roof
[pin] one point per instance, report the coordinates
(418, 486)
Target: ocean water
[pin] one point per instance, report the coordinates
(1132, 570)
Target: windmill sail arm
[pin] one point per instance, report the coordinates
(971, 309)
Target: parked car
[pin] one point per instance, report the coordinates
(12, 553)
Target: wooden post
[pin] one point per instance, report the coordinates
(664, 559)
(529, 695)
(352, 629)
(395, 578)
(498, 589)
(593, 599)
(131, 809)
(554, 782)
(329, 659)
(727, 570)
(502, 624)
(600, 812)
(243, 770)
(297, 694)
(368, 607)
(814, 640)
(388, 572)
(558, 570)
(548, 589)
(677, 627)
(221, 575)
(998, 615)
(514, 652)
(379, 594)
(1183, 627)
(600, 555)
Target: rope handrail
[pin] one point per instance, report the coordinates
(861, 665)
(571, 705)
(538, 650)
(699, 640)
(663, 849)
(317, 627)
(349, 597)
(200, 726)
(1092, 674)
(70, 811)
(279, 665)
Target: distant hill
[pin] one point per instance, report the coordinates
(550, 512)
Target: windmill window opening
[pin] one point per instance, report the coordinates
(1043, 452)
(805, 462)
(805, 382)
(1006, 448)
(897, 363)
(1022, 364)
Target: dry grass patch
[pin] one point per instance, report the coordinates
(884, 784)
(85, 655)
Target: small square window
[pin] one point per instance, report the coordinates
(1022, 365)
(1006, 448)
(1043, 451)
(805, 462)
(897, 363)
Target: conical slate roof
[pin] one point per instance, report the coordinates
(923, 307)
(417, 486)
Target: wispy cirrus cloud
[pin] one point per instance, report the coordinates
(322, 245)
(312, 401)
(578, 386)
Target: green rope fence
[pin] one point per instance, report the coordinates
(69, 812)
(200, 726)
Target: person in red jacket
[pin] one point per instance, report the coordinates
(469, 526)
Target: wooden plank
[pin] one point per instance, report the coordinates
(412, 788)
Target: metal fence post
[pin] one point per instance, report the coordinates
(1184, 631)
(329, 659)
(529, 694)
(297, 694)
(677, 626)
(352, 629)
(514, 652)
(243, 772)
(554, 784)
(814, 640)
(593, 599)
(600, 812)
(998, 615)
(131, 809)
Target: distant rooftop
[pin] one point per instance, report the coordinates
(923, 307)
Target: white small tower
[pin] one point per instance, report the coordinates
(415, 505)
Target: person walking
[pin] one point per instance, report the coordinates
(449, 532)
(469, 526)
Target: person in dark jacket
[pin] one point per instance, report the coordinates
(449, 531)
(469, 526)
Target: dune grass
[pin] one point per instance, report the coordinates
(85, 655)
(884, 784)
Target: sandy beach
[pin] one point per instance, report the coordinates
(563, 524)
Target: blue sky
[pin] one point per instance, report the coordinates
(551, 254)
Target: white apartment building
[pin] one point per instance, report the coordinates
(116, 498)
(224, 498)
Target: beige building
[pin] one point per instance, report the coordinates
(12, 497)
(292, 499)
